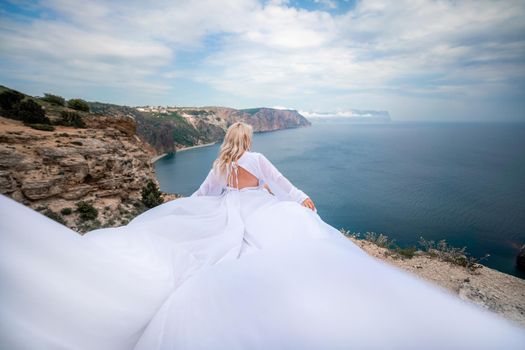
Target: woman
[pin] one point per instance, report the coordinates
(227, 172)
(231, 267)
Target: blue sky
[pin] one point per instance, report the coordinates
(419, 59)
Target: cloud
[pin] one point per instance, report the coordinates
(331, 4)
(375, 55)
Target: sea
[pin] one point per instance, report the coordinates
(462, 182)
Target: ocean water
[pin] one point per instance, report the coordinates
(461, 182)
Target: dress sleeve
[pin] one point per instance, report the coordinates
(272, 175)
(212, 185)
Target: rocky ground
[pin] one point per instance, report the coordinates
(104, 164)
(497, 291)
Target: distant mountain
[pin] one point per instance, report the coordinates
(353, 115)
(170, 128)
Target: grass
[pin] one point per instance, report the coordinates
(251, 111)
(440, 250)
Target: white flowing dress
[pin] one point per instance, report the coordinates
(222, 269)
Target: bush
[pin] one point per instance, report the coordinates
(151, 195)
(54, 99)
(86, 211)
(54, 216)
(9, 101)
(31, 112)
(66, 211)
(454, 255)
(44, 127)
(406, 252)
(440, 250)
(71, 119)
(84, 227)
(380, 240)
(78, 104)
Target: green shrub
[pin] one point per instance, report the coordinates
(251, 111)
(54, 99)
(86, 211)
(151, 195)
(66, 211)
(54, 216)
(9, 103)
(41, 208)
(84, 227)
(71, 119)
(44, 127)
(31, 112)
(78, 104)
(408, 252)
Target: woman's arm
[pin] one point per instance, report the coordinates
(211, 186)
(271, 173)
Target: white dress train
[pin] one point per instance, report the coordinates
(239, 269)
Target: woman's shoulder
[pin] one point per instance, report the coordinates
(251, 154)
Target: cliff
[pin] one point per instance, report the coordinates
(493, 290)
(101, 166)
(262, 119)
(179, 127)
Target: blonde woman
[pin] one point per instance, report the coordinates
(238, 168)
(231, 267)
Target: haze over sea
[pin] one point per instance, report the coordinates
(463, 182)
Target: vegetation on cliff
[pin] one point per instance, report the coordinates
(83, 169)
(444, 266)
(441, 249)
(177, 127)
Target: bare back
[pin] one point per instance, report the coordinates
(243, 178)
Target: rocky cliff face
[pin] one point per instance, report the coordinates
(105, 163)
(262, 119)
(180, 127)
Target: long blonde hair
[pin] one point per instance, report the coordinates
(237, 140)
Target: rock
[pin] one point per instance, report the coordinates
(9, 158)
(103, 163)
(7, 183)
(520, 259)
(41, 188)
(123, 123)
(52, 154)
(108, 193)
(77, 192)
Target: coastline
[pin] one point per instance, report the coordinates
(154, 159)
(196, 146)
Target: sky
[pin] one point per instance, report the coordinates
(421, 60)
